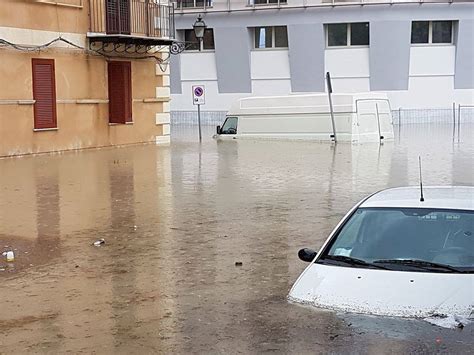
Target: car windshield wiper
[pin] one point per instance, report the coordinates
(352, 261)
(418, 263)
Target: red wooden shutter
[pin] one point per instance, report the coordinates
(44, 93)
(120, 92)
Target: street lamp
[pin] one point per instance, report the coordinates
(199, 28)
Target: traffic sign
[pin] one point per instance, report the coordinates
(199, 96)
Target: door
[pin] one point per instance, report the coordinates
(44, 93)
(117, 16)
(120, 92)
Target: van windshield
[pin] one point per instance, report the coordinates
(407, 239)
(230, 126)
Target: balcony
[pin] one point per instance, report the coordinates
(131, 22)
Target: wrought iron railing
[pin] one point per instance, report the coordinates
(143, 18)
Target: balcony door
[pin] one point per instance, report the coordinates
(117, 16)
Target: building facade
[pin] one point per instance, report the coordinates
(420, 52)
(83, 74)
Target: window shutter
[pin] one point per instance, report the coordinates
(120, 92)
(125, 16)
(112, 16)
(117, 16)
(44, 93)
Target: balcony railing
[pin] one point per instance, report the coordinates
(133, 18)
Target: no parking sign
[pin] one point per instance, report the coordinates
(198, 95)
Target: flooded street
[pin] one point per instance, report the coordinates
(177, 219)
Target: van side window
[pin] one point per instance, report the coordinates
(230, 126)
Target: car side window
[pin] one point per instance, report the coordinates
(230, 126)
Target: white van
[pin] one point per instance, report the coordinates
(359, 117)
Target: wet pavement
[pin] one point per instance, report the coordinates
(176, 220)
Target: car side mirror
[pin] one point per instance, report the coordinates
(307, 254)
(218, 129)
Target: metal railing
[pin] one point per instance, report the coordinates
(144, 18)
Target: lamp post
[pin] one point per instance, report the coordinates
(199, 28)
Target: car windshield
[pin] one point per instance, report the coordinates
(407, 239)
(230, 126)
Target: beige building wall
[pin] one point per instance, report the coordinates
(81, 85)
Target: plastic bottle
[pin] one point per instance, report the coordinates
(10, 255)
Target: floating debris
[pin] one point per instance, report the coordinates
(239, 263)
(99, 242)
(10, 255)
(448, 321)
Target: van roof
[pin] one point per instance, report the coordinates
(301, 103)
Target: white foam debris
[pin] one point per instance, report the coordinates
(448, 321)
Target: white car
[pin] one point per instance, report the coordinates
(396, 255)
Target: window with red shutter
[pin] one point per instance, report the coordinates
(120, 92)
(44, 93)
(117, 16)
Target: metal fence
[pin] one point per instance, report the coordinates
(459, 113)
(189, 118)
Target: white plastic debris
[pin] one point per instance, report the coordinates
(10, 255)
(99, 242)
(448, 321)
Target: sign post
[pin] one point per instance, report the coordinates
(329, 84)
(199, 99)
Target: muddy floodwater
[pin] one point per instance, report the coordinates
(201, 244)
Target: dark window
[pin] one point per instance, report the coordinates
(208, 40)
(360, 34)
(420, 32)
(281, 37)
(337, 34)
(120, 92)
(263, 37)
(442, 31)
(271, 37)
(193, 43)
(194, 3)
(44, 93)
(265, 2)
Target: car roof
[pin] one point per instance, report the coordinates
(448, 197)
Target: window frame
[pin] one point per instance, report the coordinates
(201, 43)
(348, 36)
(430, 34)
(273, 47)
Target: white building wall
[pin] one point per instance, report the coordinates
(349, 68)
(431, 77)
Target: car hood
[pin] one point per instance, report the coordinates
(385, 292)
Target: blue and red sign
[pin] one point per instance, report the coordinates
(198, 95)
